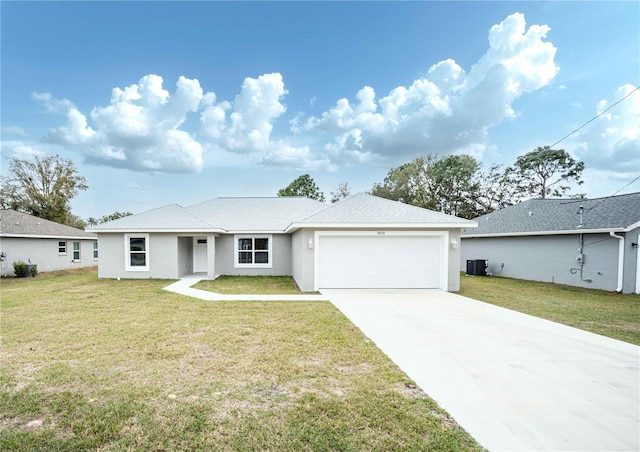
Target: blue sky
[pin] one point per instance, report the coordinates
(162, 102)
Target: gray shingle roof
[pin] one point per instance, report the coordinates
(256, 214)
(277, 214)
(365, 208)
(548, 215)
(170, 217)
(18, 224)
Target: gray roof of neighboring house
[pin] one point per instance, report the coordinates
(365, 208)
(18, 224)
(548, 215)
(277, 214)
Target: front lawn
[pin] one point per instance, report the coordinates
(92, 364)
(610, 314)
(264, 285)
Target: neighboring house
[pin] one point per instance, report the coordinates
(47, 244)
(360, 242)
(579, 242)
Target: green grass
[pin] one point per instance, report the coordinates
(123, 365)
(271, 285)
(609, 314)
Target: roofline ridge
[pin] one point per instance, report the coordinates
(185, 210)
(321, 209)
(416, 207)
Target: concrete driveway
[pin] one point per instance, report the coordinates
(513, 381)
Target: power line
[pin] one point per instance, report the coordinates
(595, 117)
(604, 199)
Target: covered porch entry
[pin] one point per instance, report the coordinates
(196, 255)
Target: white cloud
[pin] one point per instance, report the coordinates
(448, 110)
(246, 124)
(138, 130)
(14, 130)
(612, 141)
(284, 155)
(19, 150)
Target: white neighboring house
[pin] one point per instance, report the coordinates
(47, 244)
(360, 242)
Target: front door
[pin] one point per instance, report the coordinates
(200, 255)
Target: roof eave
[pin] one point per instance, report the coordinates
(632, 226)
(455, 225)
(44, 236)
(256, 231)
(168, 230)
(558, 232)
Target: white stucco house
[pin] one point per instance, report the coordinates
(589, 243)
(360, 242)
(46, 244)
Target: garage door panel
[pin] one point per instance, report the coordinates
(379, 261)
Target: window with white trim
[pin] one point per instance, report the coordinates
(253, 251)
(95, 250)
(76, 251)
(136, 252)
(62, 248)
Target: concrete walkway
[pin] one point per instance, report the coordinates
(513, 381)
(183, 287)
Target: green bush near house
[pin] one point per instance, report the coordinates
(20, 269)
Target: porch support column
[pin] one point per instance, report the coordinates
(211, 256)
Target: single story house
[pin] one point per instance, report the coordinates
(46, 244)
(579, 242)
(360, 242)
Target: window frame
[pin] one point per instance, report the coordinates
(78, 251)
(95, 250)
(252, 237)
(127, 253)
(65, 246)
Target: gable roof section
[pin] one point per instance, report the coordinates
(170, 218)
(281, 214)
(18, 224)
(547, 216)
(364, 209)
(272, 214)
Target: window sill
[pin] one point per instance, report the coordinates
(253, 266)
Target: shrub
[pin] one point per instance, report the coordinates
(20, 269)
(33, 270)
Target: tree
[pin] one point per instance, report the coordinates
(44, 187)
(410, 183)
(544, 172)
(103, 219)
(342, 191)
(448, 184)
(303, 186)
(75, 222)
(455, 185)
(496, 189)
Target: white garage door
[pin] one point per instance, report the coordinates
(379, 262)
